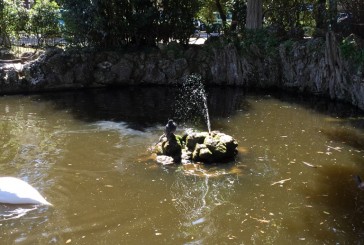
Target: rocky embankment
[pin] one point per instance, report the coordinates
(314, 66)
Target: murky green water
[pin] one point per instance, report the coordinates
(87, 153)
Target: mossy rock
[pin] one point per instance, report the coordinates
(171, 148)
(195, 138)
(221, 146)
(202, 153)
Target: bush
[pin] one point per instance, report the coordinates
(352, 50)
(262, 39)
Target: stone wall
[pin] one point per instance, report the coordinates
(313, 66)
(316, 67)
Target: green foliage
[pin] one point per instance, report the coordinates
(289, 16)
(288, 44)
(44, 19)
(111, 24)
(13, 19)
(207, 8)
(173, 49)
(239, 14)
(265, 42)
(80, 21)
(177, 19)
(352, 51)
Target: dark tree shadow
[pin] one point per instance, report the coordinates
(139, 107)
(340, 204)
(322, 105)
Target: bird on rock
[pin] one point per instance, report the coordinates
(170, 129)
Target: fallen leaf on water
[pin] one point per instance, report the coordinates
(334, 148)
(260, 220)
(309, 164)
(281, 181)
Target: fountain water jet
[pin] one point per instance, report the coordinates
(192, 101)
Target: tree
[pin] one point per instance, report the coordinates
(207, 8)
(80, 21)
(13, 18)
(320, 14)
(354, 20)
(238, 15)
(44, 20)
(221, 12)
(110, 24)
(332, 13)
(289, 17)
(177, 17)
(254, 19)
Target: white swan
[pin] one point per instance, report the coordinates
(17, 191)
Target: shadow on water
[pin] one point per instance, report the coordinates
(347, 121)
(335, 109)
(339, 205)
(139, 107)
(348, 136)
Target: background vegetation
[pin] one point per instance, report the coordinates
(114, 24)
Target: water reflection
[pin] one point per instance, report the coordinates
(8, 212)
(139, 107)
(196, 199)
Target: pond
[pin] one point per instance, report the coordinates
(89, 154)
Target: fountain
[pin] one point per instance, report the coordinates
(191, 102)
(194, 146)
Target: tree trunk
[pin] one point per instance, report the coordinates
(254, 14)
(335, 68)
(320, 14)
(221, 12)
(333, 13)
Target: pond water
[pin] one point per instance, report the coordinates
(89, 154)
